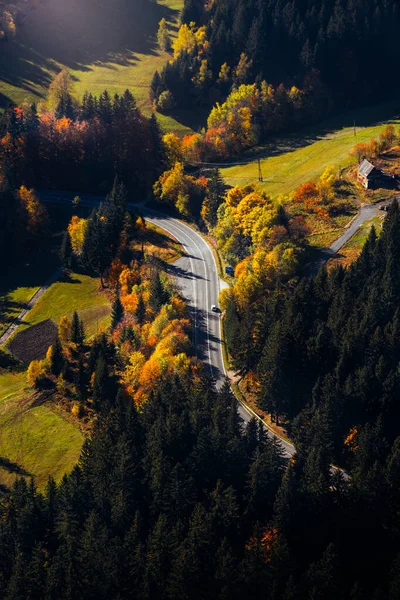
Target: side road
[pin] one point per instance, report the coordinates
(13, 326)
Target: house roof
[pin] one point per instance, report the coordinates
(365, 168)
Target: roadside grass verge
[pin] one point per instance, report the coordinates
(35, 440)
(158, 243)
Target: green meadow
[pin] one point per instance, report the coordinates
(104, 47)
(296, 160)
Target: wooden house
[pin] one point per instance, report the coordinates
(368, 175)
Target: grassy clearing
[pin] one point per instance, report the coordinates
(352, 250)
(301, 160)
(34, 439)
(112, 45)
(76, 292)
(18, 284)
(158, 243)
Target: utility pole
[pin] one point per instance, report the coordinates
(355, 132)
(260, 177)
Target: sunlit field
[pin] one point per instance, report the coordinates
(105, 46)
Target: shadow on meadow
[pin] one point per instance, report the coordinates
(78, 34)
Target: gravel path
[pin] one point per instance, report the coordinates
(8, 333)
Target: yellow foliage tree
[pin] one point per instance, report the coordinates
(77, 229)
(132, 372)
(325, 185)
(64, 329)
(185, 41)
(173, 149)
(60, 87)
(36, 371)
(36, 213)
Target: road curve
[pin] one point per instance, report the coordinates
(197, 278)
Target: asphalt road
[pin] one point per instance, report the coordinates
(197, 278)
(366, 212)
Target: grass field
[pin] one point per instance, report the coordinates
(289, 168)
(76, 292)
(18, 285)
(34, 439)
(112, 45)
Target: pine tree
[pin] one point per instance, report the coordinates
(76, 336)
(117, 311)
(156, 87)
(215, 196)
(96, 253)
(158, 155)
(157, 295)
(66, 253)
(57, 358)
(140, 312)
(102, 385)
(114, 211)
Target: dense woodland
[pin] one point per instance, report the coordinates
(176, 501)
(172, 497)
(326, 350)
(71, 146)
(305, 59)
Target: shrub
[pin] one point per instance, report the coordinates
(165, 102)
(36, 374)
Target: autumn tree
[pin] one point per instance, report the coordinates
(60, 89)
(185, 41)
(36, 214)
(77, 230)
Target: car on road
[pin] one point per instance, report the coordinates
(386, 207)
(214, 308)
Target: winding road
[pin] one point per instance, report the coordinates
(197, 278)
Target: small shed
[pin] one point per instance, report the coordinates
(368, 175)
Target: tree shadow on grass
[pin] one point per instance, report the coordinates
(287, 142)
(13, 467)
(77, 35)
(4, 490)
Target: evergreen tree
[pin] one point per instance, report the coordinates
(57, 358)
(114, 211)
(158, 297)
(215, 196)
(76, 330)
(117, 311)
(95, 250)
(102, 385)
(66, 251)
(140, 312)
